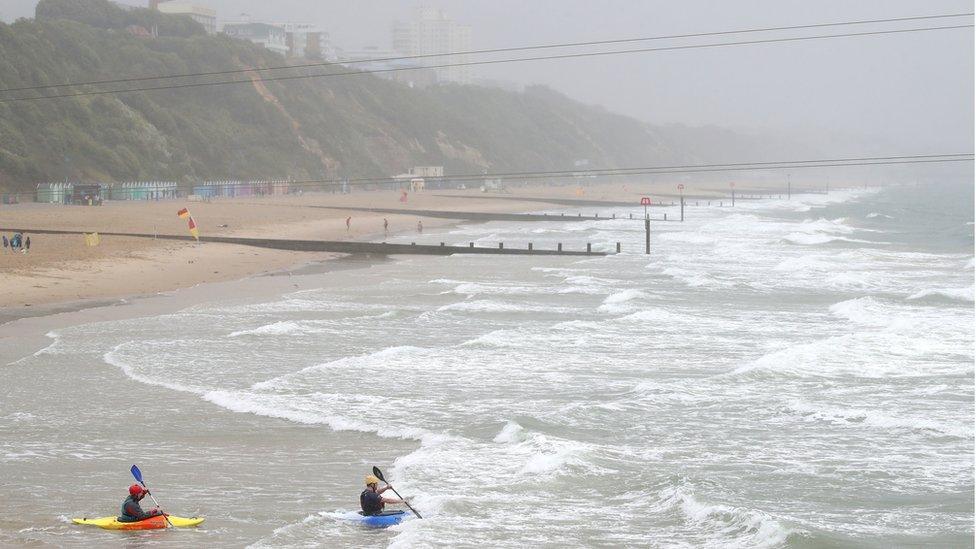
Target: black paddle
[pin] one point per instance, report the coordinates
(379, 475)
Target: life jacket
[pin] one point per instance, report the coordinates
(131, 511)
(371, 502)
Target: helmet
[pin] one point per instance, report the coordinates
(136, 490)
(370, 479)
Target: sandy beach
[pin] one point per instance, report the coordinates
(60, 268)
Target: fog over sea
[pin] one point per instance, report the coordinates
(779, 374)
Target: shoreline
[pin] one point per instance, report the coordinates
(61, 271)
(27, 335)
(144, 277)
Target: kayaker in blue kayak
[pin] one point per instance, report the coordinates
(371, 501)
(131, 510)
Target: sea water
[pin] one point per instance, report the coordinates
(784, 373)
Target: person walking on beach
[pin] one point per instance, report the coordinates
(26, 244)
(6, 243)
(348, 223)
(386, 227)
(370, 499)
(420, 226)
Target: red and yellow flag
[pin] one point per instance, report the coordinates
(185, 213)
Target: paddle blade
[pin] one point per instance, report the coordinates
(376, 472)
(137, 474)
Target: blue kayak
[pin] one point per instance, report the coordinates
(382, 520)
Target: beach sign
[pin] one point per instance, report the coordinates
(645, 201)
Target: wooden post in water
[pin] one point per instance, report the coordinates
(530, 246)
(647, 235)
(618, 247)
(501, 245)
(665, 217)
(588, 247)
(559, 247)
(471, 244)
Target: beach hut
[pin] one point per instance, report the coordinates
(144, 190)
(55, 193)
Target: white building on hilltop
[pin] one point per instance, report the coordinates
(270, 36)
(433, 32)
(201, 14)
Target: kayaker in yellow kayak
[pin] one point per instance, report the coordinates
(131, 510)
(371, 501)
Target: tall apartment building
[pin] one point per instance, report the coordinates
(201, 14)
(433, 32)
(307, 40)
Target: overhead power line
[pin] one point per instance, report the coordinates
(485, 62)
(492, 50)
(645, 170)
(737, 166)
(651, 170)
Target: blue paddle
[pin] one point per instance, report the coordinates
(138, 476)
(379, 475)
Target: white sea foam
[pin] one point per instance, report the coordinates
(803, 263)
(492, 306)
(695, 279)
(283, 327)
(813, 239)
(863, 310)
(955, 294)
(725, 525)
(873, 215)
(861, 417)
(512, 432)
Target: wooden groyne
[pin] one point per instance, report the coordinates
(340, 246)
(466, 216)
(560, 201)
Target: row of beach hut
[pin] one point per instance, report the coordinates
(94, 193)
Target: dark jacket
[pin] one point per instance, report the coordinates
(371, 502)
(132, 511)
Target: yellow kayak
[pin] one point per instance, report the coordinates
(151, 523)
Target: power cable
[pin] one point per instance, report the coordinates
(486, 51)
(484, 62)
(646, 170)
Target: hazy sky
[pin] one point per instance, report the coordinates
(913, 93)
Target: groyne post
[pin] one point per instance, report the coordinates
(589, 247)
(530, 246)
(501, 245)
(647, 235)
(559, 247)
(618, 247)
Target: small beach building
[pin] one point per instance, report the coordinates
(54, 193)
(144, 190)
